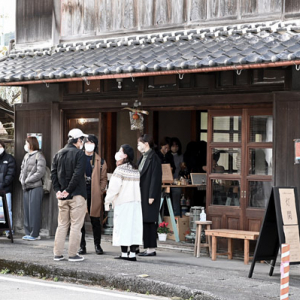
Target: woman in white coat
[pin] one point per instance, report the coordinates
(125, 196)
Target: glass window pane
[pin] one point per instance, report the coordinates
(227, 129)
(203, 136)
(226, 192)
(259, 193)
(226, 160)
(261, 129)
(203, 121)
(260, 161)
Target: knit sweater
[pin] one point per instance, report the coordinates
(124, 186)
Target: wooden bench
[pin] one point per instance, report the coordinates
(231, 234)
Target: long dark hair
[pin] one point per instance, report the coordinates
(128, 150)
(175, 140)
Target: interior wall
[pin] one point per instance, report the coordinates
(175, 124)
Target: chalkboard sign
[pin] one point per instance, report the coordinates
(4, 215)
(281, 225)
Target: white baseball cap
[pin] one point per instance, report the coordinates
(76, 133)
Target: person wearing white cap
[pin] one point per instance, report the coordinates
(68, 179)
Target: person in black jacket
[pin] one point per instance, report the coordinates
(165, 154)
(150, 182)
(7, 173)
(68, 179)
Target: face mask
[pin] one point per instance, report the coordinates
(81, 147)
(174, 149)
(141, 148)
(119, 156)
(26, 148)
(89, 147)
(1, 150)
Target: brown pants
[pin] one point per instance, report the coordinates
(71, 214)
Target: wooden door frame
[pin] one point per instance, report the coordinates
(243, 211)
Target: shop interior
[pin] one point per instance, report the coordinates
(233, 168)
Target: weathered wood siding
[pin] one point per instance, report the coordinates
(46, 20)
(286, 129)
(34, 20)
(82, 18)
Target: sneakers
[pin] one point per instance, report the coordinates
(30, 238)
(58, 257)
(76, 258)
(7, 233)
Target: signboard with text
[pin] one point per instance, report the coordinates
(281, 225)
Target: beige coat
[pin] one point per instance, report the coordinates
(99, 182)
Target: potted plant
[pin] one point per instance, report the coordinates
(162, 231)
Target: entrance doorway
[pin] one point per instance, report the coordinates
(239, 167)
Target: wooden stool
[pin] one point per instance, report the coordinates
(198, 243)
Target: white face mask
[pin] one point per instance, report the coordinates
(26, 148)
(1, 150)
(141, 148)
(89, 147)
(119, 156)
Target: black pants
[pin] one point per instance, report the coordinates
(150, 235)
(124, 249)
(96, 225)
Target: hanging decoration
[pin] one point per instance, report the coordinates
(136, 116)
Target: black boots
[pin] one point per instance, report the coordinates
(98, 249)
(82, 250)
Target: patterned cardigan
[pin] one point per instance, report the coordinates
(124, 186)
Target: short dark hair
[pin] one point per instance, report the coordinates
(177, 142)
(33, 143)
(74, 141)
(147, 138)
(2, 144)
(165, 141)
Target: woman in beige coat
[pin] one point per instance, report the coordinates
(96, 180)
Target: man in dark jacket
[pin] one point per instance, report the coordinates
(68, 179)
(7, 173)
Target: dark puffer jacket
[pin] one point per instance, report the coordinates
(7, 171)
(67, 171)
(33, 169)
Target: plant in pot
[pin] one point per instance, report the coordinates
(163, 231)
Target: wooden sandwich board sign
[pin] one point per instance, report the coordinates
(280, 225)
(4, 215)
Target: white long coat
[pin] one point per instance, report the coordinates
(125, 196)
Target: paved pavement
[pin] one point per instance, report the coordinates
(174, 272)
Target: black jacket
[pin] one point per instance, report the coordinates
(67, 171)
(7, 171)
(150, 183)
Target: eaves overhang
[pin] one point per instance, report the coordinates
(252, 46)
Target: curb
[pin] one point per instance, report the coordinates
(125, 282)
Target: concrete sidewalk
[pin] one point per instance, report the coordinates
(172, 273)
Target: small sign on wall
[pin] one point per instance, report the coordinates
(39, 137)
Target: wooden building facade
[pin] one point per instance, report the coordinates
(247, 113)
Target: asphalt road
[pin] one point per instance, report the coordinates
(23, 288)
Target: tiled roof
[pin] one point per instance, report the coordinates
(191, 49)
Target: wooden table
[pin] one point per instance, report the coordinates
(231, 234)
